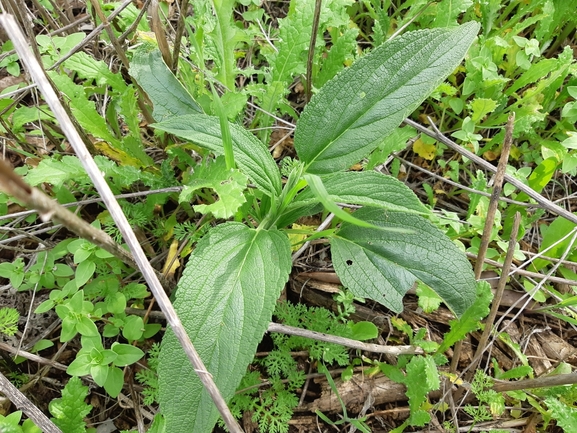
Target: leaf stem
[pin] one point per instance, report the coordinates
(224, 130)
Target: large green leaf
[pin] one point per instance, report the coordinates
(168, 96)
(365, 188)
(251, 156)
(225, 300)
(383, 265)
(353, 112)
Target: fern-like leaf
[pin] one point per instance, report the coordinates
(70, 410)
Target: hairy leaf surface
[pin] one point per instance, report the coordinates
(383, 265)
(354, 111)
(251, 156)
(168, 96)
(225, 300)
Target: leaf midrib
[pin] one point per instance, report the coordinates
(353, 121)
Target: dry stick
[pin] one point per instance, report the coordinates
(311, 55)
(429, 173)
(94, 33)
(530, 274)
(320, 228)
(36, 72)
(13, 185)
(48, 19)
(347, 342)
(493, 203)
(98, 200)
(496, 299)
(22, 13)
(31, 411)
(158, 30)
(328, 338)
(178, 36)
(135, 24)
(545, 203)
(32, 357)
(541, 382)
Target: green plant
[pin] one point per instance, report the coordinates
(358, 423)
(234, 276)
(9, 321)
(10, 62)
(491, 403)
(149, 377)
(11, 424)
(420, 376)
(517, 64)
(272, 407)
(70, 410)
(14, 271)
(102, 364)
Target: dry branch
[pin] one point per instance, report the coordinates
(31, 411)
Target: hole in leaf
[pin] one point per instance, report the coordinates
(349, 262)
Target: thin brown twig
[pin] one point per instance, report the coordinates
(490, 218)
(94, 33)
(97, 200)
(463, 187)
(530, 274)
(311, 54)
(494, 202)
(178, 36)
(136, 22)
(13, 185)
(160, 34)
(540, 382)
(122, 56)
(544, 202)
(496, 299)
(32, 357)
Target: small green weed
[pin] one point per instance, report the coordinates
(491, 403)
(11, 424)
(272, 407)
(149, 377)
(9, 321)
(70, 410)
